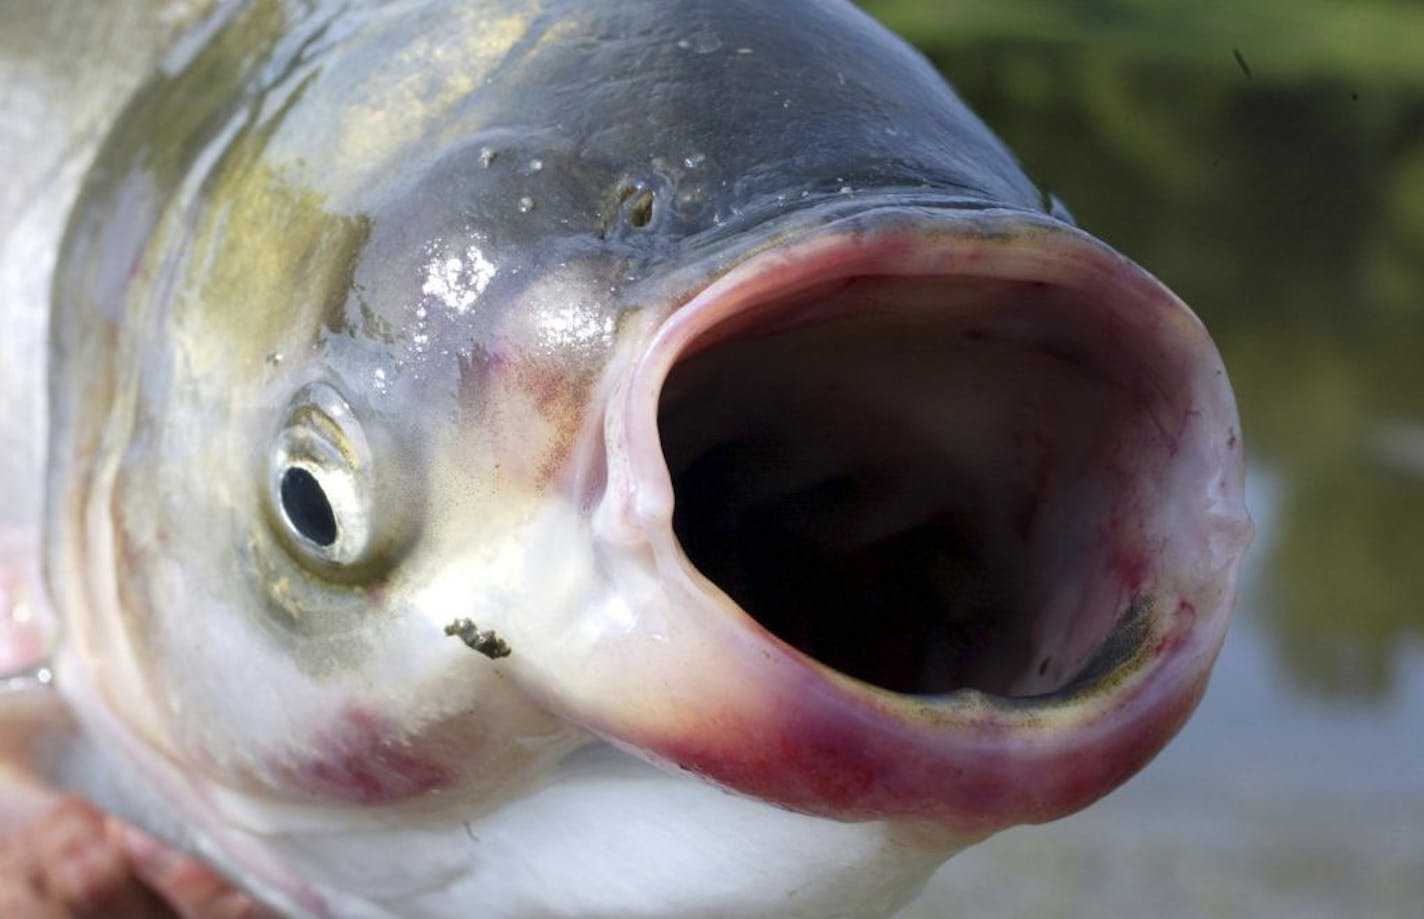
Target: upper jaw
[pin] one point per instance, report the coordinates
(988, 415)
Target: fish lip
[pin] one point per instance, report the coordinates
(969, 761)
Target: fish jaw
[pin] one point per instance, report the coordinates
(1083, 422)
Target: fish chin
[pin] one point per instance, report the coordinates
(931, 520)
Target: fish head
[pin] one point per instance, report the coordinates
(443, 391)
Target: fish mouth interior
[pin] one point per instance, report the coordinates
(927, 483)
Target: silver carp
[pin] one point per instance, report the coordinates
(580, 458)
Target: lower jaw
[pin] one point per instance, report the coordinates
(935, 521)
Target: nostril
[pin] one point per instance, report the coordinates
(639, 208)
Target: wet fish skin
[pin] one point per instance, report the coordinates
(368, 235)
(418, 247)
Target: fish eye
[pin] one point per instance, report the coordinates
(320, 474)
(306, 507)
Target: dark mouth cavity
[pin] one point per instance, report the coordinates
(925, 483)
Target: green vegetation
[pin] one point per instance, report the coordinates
(1287, 206)
(1374, 41)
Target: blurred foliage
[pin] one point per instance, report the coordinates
(1287, 206)
(1346, 579)
(1285, 40)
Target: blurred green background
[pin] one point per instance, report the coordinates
(1265, 158)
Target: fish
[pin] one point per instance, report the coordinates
(580, 458)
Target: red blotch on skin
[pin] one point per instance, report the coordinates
(1131, 568)
(363, 761)
(1181, 630)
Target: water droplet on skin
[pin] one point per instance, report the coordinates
(695, 160)
(274, 358)
(455, 282)
(690, 203)
(526, 204)
(704, 42)
(487, 157)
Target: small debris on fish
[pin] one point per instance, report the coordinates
(484, 641)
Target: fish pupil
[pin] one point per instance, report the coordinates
(307, 507)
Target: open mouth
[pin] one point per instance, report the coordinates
(919, 517)
(897, 475)
(931, 477)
